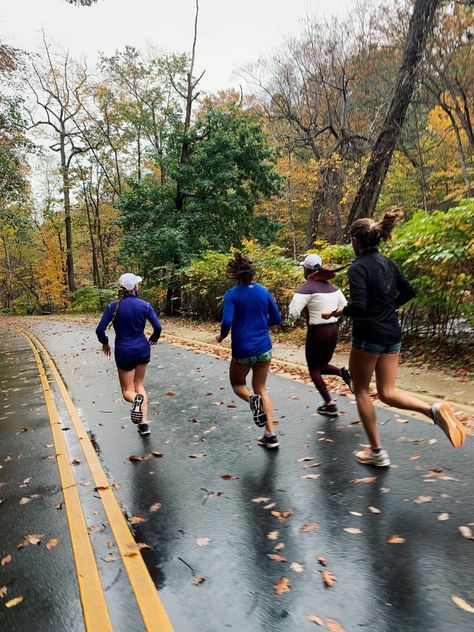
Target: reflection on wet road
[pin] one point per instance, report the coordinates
(227, 522)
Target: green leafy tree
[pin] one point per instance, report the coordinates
(230, 168)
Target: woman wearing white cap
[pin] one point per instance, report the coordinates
(128, 315)
(314, 296)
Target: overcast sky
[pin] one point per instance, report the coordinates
(231, 32)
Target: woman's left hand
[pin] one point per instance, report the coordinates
(326, 315)
(219, 338)
(152, 342)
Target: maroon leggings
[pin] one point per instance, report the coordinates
(320, 344)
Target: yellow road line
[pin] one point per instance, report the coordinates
(94, 606)
(153, 612)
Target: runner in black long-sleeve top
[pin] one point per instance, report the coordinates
(377, 290)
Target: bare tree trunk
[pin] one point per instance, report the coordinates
(326, 199)
(8, 273)
(71, 283)
(462, 155)
(369, 190)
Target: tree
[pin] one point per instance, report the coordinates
(369, 189)
(57, 93)
(229, 169)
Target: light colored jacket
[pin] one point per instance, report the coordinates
(316, 297)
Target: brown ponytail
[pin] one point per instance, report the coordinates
(369, 233)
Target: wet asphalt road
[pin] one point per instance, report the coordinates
(380, 587)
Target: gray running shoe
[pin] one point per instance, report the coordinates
(144, 428)
(328, 409)
(136, 414)
(256, 406)
(268, 441)
(369, 457)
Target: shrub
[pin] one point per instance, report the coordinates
(90, 299)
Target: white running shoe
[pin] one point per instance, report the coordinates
(369, 457)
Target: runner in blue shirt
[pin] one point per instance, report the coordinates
(128, 315)
(249, 310)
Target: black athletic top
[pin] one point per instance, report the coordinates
(377, 289)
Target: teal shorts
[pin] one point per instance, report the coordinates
(373, 347)
(251, 360)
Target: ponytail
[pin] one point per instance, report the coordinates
(369, 233)
(121, 293)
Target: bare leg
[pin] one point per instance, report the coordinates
(259, 379)
(237, 377)
(138, 383)
(385, 375)
(362, 365)
(126, 379)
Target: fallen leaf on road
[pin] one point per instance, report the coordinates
(329, 579)
(296, 568)
(352, 530)
(282, 515)
(134, 547)
(269, 506)
(434, 473)
(25, 500)
(229, 477)
(356, 513)
(137, 519)
(311, 465)
(314, 619)
(6, 560)
(466, 532)
(202, 541)
(13, 602)
(279, 547)
(443, 516)
(312, 477)
(374, 510)
(75, 462)
(305, 458)
(322, 560)
(260, 499)
(282, 585)
(51, 544)
(170, 393)
(421, 500)
(135, 458)
(198, 580)
(395, 539)
(308, 526)
(155, 507)
(3, 591)
(461, 603)
(34, 538)
(273, 535)
(199, 455)
(333, 625)
(157, 454)
(276, 557)
(415, 457)
(111, 557)
(366, 479)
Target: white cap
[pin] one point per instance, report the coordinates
(129, 280)
(311, 262)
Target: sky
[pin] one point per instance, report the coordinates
(231, 32)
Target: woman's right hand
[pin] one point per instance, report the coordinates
(219, 338)
(326, 315)
(106, 349)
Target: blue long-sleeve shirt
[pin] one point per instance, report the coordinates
(249, 309)
(129, 324)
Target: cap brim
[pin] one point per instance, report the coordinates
(139, 279)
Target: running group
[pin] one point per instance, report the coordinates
(377, 289)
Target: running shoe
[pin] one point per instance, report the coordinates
(144, 428)
(369, 457)
(136, 414)
(346, 377)
(444, 418)
(328, 409)
(268, 441)
(256, 406)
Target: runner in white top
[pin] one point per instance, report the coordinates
(314, 296)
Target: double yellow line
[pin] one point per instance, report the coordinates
(96, 615)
